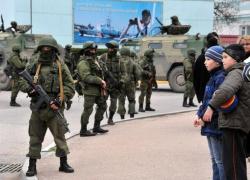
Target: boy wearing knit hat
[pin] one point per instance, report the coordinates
(213, 64)
(235, 124)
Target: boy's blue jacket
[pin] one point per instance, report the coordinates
(217, 77)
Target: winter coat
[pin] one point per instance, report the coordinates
(217, 77)
(234, 84)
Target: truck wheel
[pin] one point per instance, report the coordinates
(4, 79)
(176, 79)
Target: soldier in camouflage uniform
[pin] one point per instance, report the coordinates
(16, 64)
(91, 77)
(117, 70)
(188, 64)
(133, 76)
(68, 58)
(147, 80)
(53, 75)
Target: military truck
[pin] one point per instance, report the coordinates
(170, 51)
(28, 43)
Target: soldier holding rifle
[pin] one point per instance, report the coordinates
(52, 86)
(91, 77)
(147, 80)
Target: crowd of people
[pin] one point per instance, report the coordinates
(219, 77)
(221, 82)
(114, 75)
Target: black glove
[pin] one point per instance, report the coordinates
(32, 92)
(56, 102)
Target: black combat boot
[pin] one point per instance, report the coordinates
(84, 132)
(148, 108)
(98, 129)
(64, 167)
(122, 116)
(141, 108)
(132, 115)
(110, 119)
(14, 103)
(191, 103)
(185, 104)
(32, 168)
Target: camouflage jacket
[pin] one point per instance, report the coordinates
(115, 66)
(148, 69)
(132, 70)
(48, 78)
(188, 70)
(90, 75)
(16, 63)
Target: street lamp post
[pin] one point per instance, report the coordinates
(31, 16)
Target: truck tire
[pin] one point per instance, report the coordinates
(176, 79)
(5, 83)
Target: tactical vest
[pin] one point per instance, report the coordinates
(129, 64)
(95, 67)
(48, 78)
(114, 66)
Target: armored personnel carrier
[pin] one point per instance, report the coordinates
(170, 50)
(28, 43)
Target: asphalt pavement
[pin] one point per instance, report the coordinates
(160, 148)
(14, 137)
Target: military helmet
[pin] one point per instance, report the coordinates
(174, 18)
(124, 51)
(13, 23)
(51, 42)
(112, 44)
(68, 46)
(132, 54)
(16, 47)
(191, 52)
(89, 45)
(149, 52)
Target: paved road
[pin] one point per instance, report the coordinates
(14, 121)
(159, 148)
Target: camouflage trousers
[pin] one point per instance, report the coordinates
(129, 92)
(15, 88)
(146, 90)
(189, 90)
(89, 102)
(114, 95)
(39, 123)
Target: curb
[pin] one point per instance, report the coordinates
(46, 151)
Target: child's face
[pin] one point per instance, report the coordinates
(211, 64)
(227, 61)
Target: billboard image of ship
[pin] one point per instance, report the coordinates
(104, 20)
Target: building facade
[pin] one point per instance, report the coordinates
(241, 24)
(56, 17)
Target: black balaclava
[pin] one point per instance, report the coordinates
(47, 57)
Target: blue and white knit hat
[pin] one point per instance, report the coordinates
(215, 53)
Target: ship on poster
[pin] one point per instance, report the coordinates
(105, 20)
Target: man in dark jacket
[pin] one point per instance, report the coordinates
(201, 75)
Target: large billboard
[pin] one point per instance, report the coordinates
(105, 20)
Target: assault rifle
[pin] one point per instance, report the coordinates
(43, 98)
